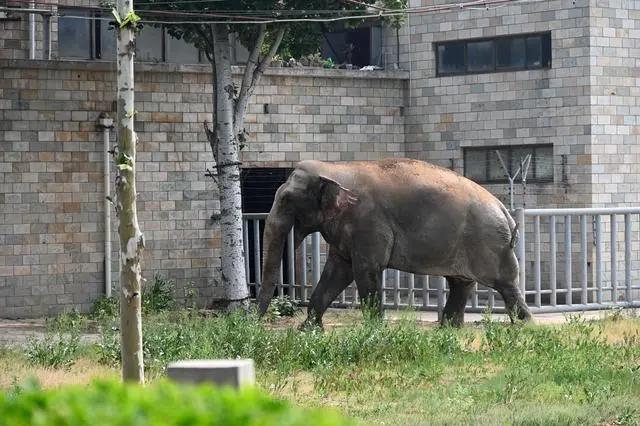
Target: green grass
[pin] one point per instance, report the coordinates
(402, 373)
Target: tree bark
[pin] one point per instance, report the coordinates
(233, 273)
(131, 238)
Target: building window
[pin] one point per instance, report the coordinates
(82, 36)
(508, 53)
(483, 164)
(75, 39)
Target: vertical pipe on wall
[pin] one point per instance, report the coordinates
(106, 123)
(32, 32)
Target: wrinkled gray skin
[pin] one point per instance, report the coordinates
(397, 213)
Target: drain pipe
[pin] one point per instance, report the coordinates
(106, 123)
(32, 32)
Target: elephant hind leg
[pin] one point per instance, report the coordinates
(336, 276)
(459, 291)
(504, 279)
(513, 300)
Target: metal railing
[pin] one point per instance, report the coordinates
(589, 280)
(555, 290)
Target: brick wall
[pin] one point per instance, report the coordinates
(51, 199)
(505, 108)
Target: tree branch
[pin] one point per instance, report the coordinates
(206, 40)
(241, 106)
(266, 61)
(247, 78)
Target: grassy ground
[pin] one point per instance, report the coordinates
(381, 373)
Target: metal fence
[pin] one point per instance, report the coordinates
(552, 243)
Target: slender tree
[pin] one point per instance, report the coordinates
(226, 134)
(131, 238)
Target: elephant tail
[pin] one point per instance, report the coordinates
(513, 226)
(514, 236)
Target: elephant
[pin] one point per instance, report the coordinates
(398, 213)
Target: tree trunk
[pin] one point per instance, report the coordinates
(233, 272)
(131, 238)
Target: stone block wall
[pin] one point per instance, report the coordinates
(550, 106)
(614, 41)
(51, 173)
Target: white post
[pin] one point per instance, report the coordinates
(521, 249)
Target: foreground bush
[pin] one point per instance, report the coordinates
(164, 403)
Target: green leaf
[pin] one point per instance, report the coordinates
(116, 17)
(131, 19)
(125, 167)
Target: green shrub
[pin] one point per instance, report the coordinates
(68, 322)
(160, 296)
(163, 403)
(105, 307)
(282, 306)
(55, 350)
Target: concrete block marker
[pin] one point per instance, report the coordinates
(231, 372)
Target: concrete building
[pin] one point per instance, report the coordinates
(554, 79)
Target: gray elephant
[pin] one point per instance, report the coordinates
(396, 213)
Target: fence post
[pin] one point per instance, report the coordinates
(521, 250)
(614, 258)
(598, 237)
(441, 290)
(537, 271)
(315, 255)
(552, 256)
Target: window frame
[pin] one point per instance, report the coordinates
(531, 174)
(545, 41)
(95, 48)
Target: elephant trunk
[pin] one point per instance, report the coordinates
(276, 230)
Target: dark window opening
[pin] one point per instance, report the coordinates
(483, 165)
(508, 53)
(480, 56)
(259, 187)
(451, 58)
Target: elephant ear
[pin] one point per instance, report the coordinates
(335, 198)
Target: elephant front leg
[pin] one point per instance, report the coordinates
(369, 283)
(459, 291)
(336, 276)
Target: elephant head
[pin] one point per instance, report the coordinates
(307, 200)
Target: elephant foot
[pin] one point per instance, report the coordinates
(311, 324)
(520, 314)
(455, 319)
